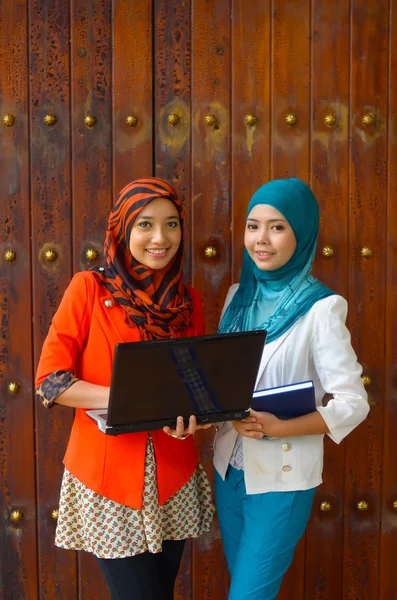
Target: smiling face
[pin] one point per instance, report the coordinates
(269, 238)
(156, 234)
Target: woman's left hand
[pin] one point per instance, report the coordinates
(257, 425)
(181, 432)
(269, 422)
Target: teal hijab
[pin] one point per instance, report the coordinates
(275, 300)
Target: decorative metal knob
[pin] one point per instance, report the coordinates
(8, 120)
(291, 119)
(50, 255)
(362, 505)
(91, 254)
(330, 120)
(368, 119)
(328, 251)
(54, 514)
(50, 120)
(211, 120)
(132, 121)
(173, 119)
(9, 256)
(325, 506)
(210, 252)
(251, 120)
(366, 252)
(366, 379)
(395, 504)
(14, 387)
(17, 516)
(90, 121)
(213, 508)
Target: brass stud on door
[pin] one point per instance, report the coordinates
(132, 121)
(291, 119)
(50, 255)
(50, 120)
(210, 252)
(54, 514)
(395, 504)
(9, 256)
(251, 120)
(368, 119)
(211, 121)
(328, 251)
(325, 506)
(90, 121)
(366, 379)
(362, 505)
(330, 120)
(173, 119)
(91, 254)
(366, 252)
(8, 120)
(14, 387)
(17, 516)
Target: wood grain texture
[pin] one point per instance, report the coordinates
(211, 81)
(290, 147)
(18, 541)
(388, 542)
(51, 229)
(367, 287)
(290, 88)
(172, 151)
(132, 91)
(172, 49)
(330, 182)
(251, 69)
(91, 68)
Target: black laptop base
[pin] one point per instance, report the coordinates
(155, 425)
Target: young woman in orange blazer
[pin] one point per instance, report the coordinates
(131, 500)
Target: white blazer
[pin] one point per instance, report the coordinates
(316, 347)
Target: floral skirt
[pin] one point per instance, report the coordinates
(88, 521)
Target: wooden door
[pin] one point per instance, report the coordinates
(218, 97)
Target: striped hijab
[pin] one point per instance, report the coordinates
(160, 306)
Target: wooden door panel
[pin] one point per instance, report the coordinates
(18, 548)
(51, 262)
(330, 182)
(388, 541)
(211, 49)
(291, 149)
(251, 68)
(290, 89)
(172, 49)
(172, 157)
(91, 172)
(132, 91)
(367, 221)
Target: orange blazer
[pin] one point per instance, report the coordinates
(81, 339)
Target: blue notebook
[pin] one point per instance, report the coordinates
(287, 401)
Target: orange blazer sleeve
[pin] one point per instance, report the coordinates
(69, 328)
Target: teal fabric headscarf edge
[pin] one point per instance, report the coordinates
(275, 300)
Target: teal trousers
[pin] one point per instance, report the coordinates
(259, 534)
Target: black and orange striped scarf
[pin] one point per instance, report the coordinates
(160, 306)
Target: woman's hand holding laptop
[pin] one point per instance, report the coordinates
(181, 432)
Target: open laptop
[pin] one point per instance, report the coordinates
(153, 382)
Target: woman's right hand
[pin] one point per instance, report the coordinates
(181, 432)
(249, 427)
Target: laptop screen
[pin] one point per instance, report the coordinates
(159, 380)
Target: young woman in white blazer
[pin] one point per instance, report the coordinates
(267, 469)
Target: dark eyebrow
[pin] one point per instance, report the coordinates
(268, 220)
(148, 218)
